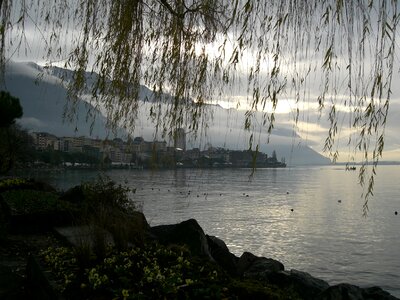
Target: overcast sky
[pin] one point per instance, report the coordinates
(311, 129)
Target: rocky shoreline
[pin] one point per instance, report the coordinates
(209, 248)
(251, 266)
(48, 220)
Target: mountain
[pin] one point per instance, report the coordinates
(145, 94)
(43, 98)
(300, 155)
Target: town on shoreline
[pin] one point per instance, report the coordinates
(84, 152)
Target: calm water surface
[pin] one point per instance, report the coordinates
(322, 236)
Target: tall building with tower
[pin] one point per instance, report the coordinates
(180, 139)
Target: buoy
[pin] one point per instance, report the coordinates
(291, 209)
(395, 212)
(287, 193)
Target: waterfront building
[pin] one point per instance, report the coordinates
(44, 140)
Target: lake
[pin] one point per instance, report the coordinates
(326, 237)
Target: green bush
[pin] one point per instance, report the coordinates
(152, 272)
(10, 183)
(106, 207)
(23, 202)
(107, 193)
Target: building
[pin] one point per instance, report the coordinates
(44, 141)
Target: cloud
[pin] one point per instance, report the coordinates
(32, 123)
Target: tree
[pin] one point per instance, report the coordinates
(10, 109)
(16, 145)
(274, 155)
(190, 52)
(13, 140)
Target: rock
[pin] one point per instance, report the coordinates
(74, 195)
(131, 227)
(376, 292)
(307, 286)
(187, 233)
(139, 220)
(342, 291)
(346, 291)
(254, 267)
(220, 253)
(41, 186)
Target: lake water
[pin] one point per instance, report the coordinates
(322, 236)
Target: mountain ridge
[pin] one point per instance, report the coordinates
(44, 100)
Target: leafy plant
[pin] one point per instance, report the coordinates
(10, 109)
(107, 194)
(151, 272)
(12, 182)
(108, 209)
(32, 201)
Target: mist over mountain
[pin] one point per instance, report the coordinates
(44, 97)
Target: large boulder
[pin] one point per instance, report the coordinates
(187, 233)
(307, 286)
(346, 291)
(221, 254)
(74, 195)
(254, 267)
(139, 220)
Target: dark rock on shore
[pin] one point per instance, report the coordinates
(345, 291)
(74, 195)
(187, 233)
(309, 287)
(221, 254)
(262, 269)
(254, 267)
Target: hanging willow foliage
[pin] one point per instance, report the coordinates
(191, 51)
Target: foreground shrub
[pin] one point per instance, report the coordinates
(107, 208)
(23, 202)
(108, 194)
(151, 272)
(17, 183)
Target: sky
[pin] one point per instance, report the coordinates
(310, 130)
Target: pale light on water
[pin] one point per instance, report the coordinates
(323, 236)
